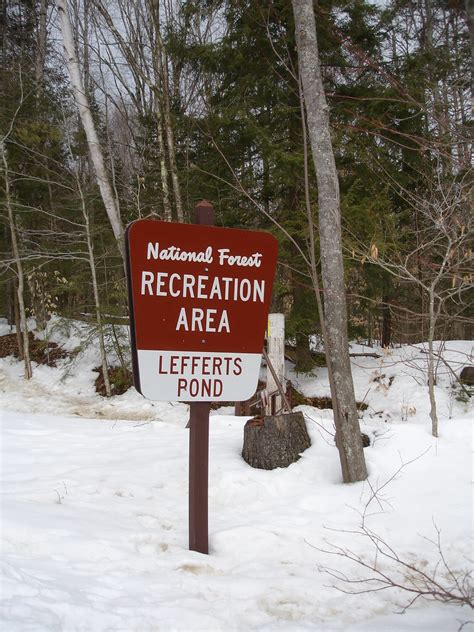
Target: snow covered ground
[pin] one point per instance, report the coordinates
(94, 508)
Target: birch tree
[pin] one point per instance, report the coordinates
(332, 270)
(82, 101)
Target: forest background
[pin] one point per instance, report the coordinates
(202, 99)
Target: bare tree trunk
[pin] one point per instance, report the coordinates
(314, 269)
(161, 74)
(19, 337)
(84, 21)
(41, 50)
(19, 267)
(386, 338)
(470, 22)
(431, 365)
(95, 288)
(440, 115)
(110, 149)
(168, 123)
(10, 300)
(158, 98)
(346, 417)
(161, 149)
(95, 150)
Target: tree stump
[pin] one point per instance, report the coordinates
(467, 375)
(275, 440)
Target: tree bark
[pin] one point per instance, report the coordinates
(41, 46)
(93, 143)
(386, 338)
(275, 441)
(10, 301)
(161, 148)
(168, 123)
(160, 111)
(19, 337)
(431, 364)
(336, 342)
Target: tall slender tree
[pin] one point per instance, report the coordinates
(88, 124)
(336, 343)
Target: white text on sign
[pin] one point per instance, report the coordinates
(173, 253)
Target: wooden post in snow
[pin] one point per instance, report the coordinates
(199, 443)
(276, 354)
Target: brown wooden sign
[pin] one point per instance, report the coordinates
(199, 300)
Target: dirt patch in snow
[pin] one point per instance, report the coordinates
(41, 351)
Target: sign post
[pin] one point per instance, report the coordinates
(199, 444)
(199, 298)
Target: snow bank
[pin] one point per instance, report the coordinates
(94, 510)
